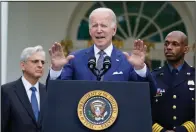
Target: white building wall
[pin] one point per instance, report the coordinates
(35, 23)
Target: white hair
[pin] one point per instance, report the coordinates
(103, 9)
(29, 51)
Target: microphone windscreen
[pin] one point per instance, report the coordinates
(91, 62)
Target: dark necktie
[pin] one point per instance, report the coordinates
(34, 103)
(174, 74)
(100, 60)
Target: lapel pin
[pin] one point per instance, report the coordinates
(188, 73)
(117, 59)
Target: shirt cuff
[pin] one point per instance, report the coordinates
(54, 74)
(141, 72)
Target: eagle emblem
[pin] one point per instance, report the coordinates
(97, 110)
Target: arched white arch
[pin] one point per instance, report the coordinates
(74, 23)
(185, 14)
(83, 7)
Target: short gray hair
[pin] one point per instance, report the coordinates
(29, 51)
(103, 9)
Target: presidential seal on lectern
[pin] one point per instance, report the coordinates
(97, 110)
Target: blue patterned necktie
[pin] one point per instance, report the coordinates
(34, 103)
(100, 60)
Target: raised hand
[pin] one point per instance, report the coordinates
(58, 59)
(138, 54)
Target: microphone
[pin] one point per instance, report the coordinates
(92, 63)
(106, 65)
(92, 66)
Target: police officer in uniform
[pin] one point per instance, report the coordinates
(173, 107)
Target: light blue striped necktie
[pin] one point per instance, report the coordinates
(100, 60)
(34, 103)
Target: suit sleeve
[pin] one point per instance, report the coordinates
(66, 74)
(5, 110)
(149, 78)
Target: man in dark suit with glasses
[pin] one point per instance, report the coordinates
(22, 99)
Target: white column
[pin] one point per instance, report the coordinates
(4, 38)
(194, 21)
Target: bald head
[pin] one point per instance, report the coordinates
(175, 47)
(101, 11)
(179, 35)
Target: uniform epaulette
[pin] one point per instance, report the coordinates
(157, 71)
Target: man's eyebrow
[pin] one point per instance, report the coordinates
(172, 41)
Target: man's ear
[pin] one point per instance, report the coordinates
(89, 31)
(115, 29)
(22, 65)
(186, 49)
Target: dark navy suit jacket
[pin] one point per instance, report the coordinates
(16, 111)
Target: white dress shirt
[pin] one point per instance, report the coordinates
(27, 86)
(108, 51)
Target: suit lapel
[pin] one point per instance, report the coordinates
(42, 93)
(116, 59)
(22, 95)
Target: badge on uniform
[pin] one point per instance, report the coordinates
(191, 85)
(191, 82)
(159, 92)
(188, 73)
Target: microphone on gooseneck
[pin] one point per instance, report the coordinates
(106, 65)
(92, 66)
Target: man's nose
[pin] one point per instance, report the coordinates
(99, 29)
(169, 46)
(40, 64)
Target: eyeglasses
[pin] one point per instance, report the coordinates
(37, 61)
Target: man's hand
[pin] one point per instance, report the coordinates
(58, 59)
(138, 54)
